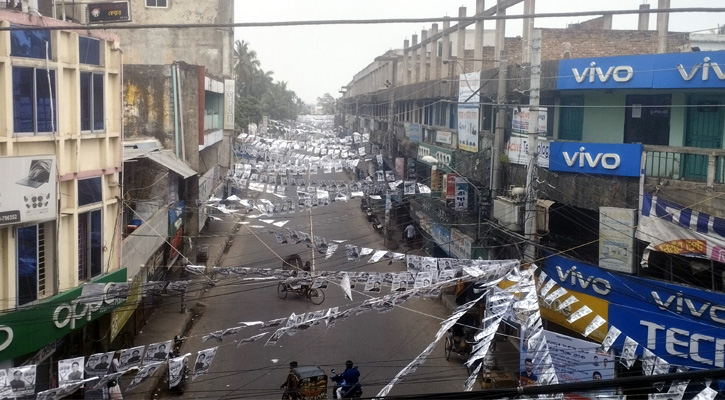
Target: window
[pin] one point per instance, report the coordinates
(89, 51)
(89, 191)
(32, 43)
(571, 118)
(90, 263)
(156, 3)
(33, 100)
(214, 110)
(32, 262)
(647, 119)
(91, 102)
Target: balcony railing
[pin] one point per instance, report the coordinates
(686, 163)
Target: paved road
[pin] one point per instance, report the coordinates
(381, 344)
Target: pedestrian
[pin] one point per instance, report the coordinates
(409, 234)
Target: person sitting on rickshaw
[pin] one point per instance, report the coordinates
(289, 387)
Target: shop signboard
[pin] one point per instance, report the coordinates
(517, 147)
(442, 236)
(691, 70)
(26, 331)
(413, 131)
(116, 11)
(620, 159)
(450, 180)
(522, 119)
(683, 325)
(461, 200)
(460, 244)
(443, 156)
(444, 137)
(27, 189)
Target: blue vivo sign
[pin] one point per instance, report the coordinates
(683, 325)
(705, 69)
(596, 158)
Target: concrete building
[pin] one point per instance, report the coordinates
(60, 197)
(625, 143)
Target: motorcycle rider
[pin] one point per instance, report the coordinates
(290, 391)
(347, 381)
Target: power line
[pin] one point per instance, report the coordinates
(467, 20)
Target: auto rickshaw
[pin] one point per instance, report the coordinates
(306, 383)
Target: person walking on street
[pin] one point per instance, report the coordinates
(409, 234)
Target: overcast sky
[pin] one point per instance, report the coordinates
(315, 60)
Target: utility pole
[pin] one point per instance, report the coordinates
(498, 138)
(532, 148)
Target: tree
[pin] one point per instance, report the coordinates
(327, 102)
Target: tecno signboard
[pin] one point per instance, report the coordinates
(681, 324)
(596, 158)
(27, 189)
(694, 70)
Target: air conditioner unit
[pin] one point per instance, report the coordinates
(509, 213)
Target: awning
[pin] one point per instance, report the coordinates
(164, 158)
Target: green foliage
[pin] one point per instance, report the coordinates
(327, 102)
(257, 93)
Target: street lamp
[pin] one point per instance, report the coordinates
(434, 161)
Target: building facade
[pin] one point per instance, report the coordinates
(60, 208)
(628, 176)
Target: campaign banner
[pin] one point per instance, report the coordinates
(450, 193)
(468, 128)
(517, 146)
(683, 325)
(574, 360)
(620, 159)
(671, 228)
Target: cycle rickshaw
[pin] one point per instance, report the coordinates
(306, 383)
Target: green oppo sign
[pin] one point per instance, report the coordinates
(25, 331)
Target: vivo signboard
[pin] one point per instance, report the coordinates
(596, 158)
(699, 70)
(681, 324)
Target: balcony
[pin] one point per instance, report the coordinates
(686, 164)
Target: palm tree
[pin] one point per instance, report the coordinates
(246, 65)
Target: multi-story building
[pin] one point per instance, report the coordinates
(625, 193)
(178, 121)
(60, 198)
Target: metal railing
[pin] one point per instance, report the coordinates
(686, 163)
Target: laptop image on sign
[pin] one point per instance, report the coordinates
(39, 173)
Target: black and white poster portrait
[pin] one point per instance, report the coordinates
(319, 283)
(144, 373)
(304, 237)
(130, 358)
(176, 370)
(203, 360)
(117, 291)
(429, 264)
(362, 276)
(446, 275)
(157, 352)
(177, 286)
(423, 279)
(379, 176)
(280, 238)
(272, 341)
(98, 363)
(409, 187)
(70, 370)
(400, 282)
(374, 283)
(352, 252)
(445, 264)
(415, 263)
(4, 388)
(21, 381)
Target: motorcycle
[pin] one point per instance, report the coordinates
(376, 224)
(352, 393)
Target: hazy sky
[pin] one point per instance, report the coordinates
(315, 60)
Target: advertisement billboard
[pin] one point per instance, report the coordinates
(616, 238)
(620, 159)
(681, 324)
(28, 189)
(468, 128)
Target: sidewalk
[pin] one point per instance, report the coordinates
(168, 319)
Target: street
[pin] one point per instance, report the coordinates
(380, 344)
